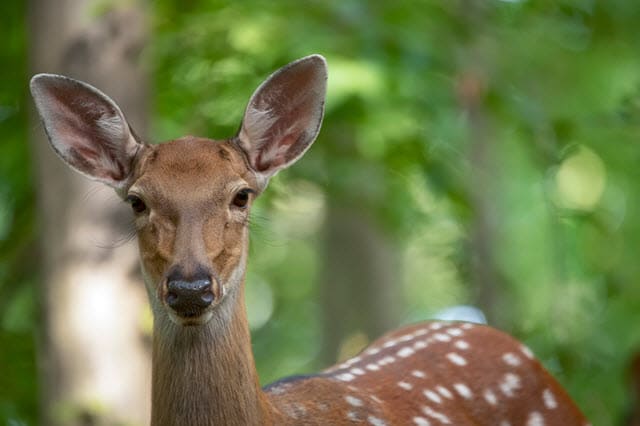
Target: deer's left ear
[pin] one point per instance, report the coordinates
(284, 115)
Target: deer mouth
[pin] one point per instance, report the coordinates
(192, 320)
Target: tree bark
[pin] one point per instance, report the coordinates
(472, 86)
(360, 283)
(360, 288)
(95, 354)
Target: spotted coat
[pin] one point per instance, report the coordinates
(431, 374)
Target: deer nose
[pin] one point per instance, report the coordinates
(189, 298)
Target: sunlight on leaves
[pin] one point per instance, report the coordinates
(581, 180)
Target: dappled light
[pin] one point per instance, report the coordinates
(581, 180)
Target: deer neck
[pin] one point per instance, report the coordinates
(205, 375)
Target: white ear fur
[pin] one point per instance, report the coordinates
(283, 116)
(85, 128)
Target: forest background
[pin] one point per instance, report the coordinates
(472, 152)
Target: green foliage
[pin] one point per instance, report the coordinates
(438, 112)
(18, 379)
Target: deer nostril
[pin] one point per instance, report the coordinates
(172, 298)
(208, 297)
(189, 298)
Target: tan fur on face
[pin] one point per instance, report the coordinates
(188, 186)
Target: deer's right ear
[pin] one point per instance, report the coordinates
(85, 128)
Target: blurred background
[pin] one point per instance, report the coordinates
(473, 152)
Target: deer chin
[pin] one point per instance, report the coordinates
(191, 321)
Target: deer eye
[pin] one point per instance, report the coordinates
(137, 205)
(241, 198)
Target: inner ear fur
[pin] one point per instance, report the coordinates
(86, 128)
(284, 115)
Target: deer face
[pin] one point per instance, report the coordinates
(190, 196)
(191, 200)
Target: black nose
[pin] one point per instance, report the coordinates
(189, 298)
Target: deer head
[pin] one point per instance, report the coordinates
(191, 196)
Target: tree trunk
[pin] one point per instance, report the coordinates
(360, 288)
(472, 86)
(94, 352)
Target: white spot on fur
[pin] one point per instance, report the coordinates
(353, 401)
(419, 374)
(372, 367)
(429, 394)
(375, 421)
(296, 410)
(490, 397)
(421, 332)
(463, 390)
(405, 385)
(456, 359)
(405, 352)
(436, 326)
(462, 345)
(535, 419)
(442, 337)
(386, 360)
(420, 344)
(358, 371)
(444, 392)
(511, 359)
(354, 416)
(406, 338)
(421, 421)
(527, 352)
(301, 409)
(372, 351)
(467, 326)
(279, 389)
(436, 415)
(454, 332)
(509, 384)
(345, 377)
(549, 399)
(352, 361)
(390, 343)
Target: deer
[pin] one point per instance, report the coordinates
(190, 198)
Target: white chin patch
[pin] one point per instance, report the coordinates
(200, 320)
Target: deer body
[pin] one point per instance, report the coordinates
(191, 199)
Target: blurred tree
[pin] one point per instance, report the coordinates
(95, 354)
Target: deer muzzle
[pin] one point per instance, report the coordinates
(189, 297)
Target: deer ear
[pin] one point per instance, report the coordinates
(85, 128)
(284, 116)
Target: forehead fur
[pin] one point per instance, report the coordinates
(195, 158)
(193, 164)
